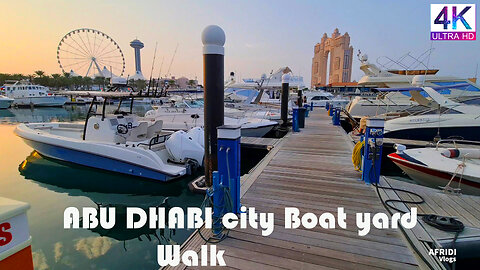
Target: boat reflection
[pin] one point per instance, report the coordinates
(113, 190)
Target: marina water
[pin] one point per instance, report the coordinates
(51, 186)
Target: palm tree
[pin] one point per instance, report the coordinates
(56, 79)
(87, 81)
(39, 73)
(99, 81)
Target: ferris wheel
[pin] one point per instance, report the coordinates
(89, 52)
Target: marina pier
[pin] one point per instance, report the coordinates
(314, 178)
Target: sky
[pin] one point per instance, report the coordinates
(261, 35)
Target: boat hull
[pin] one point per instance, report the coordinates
(95, 161)
(426, 176)
(256, 131)
(48, 101)
(471, 133)
(5, 104)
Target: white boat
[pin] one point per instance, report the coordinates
(118, 142)
(5, 102)
(398, 101)
(449, 120)
(184, 117)
(320, 98)
(27, 94)
(454, 169)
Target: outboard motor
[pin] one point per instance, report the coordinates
(198, 135)
(182, 148)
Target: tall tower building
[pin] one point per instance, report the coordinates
(137, 45)
(338, 49)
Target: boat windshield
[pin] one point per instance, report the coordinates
(441, 110)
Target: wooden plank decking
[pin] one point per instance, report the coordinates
(312, 171)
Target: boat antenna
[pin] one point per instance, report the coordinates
(476, 70)
(426, 70)
(171, 62)
(151, 71)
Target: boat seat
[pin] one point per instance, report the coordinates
(138, 133)
(154, 129)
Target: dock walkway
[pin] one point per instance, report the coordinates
(312, 171)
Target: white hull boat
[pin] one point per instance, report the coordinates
(27, 94)
(5, 102)
(186, 118)
(456, 169)
(119, 143)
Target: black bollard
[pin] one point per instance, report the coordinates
(213, 39)
(284, 109)
(300, 98)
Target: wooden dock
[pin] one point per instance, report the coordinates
(312, 171)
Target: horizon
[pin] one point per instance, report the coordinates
(256, 40)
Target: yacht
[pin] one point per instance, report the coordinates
(27, 94)
(5, 102)
(387, 102)
(118, 142)
(445, 119)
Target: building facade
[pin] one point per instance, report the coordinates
(336, 52)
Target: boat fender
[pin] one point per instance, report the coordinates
(461, 153)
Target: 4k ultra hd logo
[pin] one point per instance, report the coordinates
(453, 22)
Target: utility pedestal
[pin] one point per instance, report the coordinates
(372, 152)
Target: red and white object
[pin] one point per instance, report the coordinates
(15, 239)
(435, 167)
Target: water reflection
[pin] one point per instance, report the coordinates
(109, 190)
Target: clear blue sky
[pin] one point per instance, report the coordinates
(261, 35)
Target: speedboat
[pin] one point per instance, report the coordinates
(452, 169)
(27, 94)
(181, 116)
(447, 119)
(5, 102)
(118, 142)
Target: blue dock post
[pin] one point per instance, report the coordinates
(295, 126)
(336, 116)
(229, 163)
(372, 152)
(311, 106)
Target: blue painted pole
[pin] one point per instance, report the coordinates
(311, 106)
(295, 126)
(229, 165)
(372, 152)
